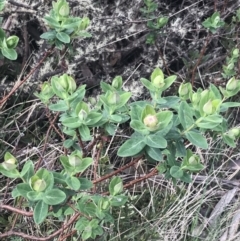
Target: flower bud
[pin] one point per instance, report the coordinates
(39, 185)
(234, 132)
(82, 115)
(151, 121)
(196, 98)
(208, 108)
(216, 20)
(193, 160)
(74, 160)
(117, 82)
(46, 88)
(11, 161)
(114, 98)
(232, 84)
(235, 53)
(183, 89)
(64, 10)
(84, 23)
(71, 84)
(63, 81)
(105, 205)
(158, 81)
(12, 41)
(9, 164)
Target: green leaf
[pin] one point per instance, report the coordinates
(52, 22)
(34, 196)
(87, 208)
(54, 197)
(115, 186)
(164, 118)
(58, 89)
(181, 150)
(71, 122)
(123, 99)
(15, 193)
(138, 126)
(229, 141)
(170, 102)
(154, 153)
(210, 121)
(85, 163)
(40, 212)
(85, 133)
(9, 53)
(78, 96)
(197, 139)
(93, 118)
(61, 105)
(59, 178)
(86, 234)
(156, 141)
(118, 201)
(2, 35)
(110, 128)
(176, 172)
(68, 211)
(68, 143)
(106, 87)
(224, 107)
(63, 37)
(85, 184)
(136, 112)
(48, 35)
(168, 82)
(27, 170)
(166, 130)
(147, 84)
(23, 189)
(131, 147)
(98, 231)
(73, 183)
(116, 118)
(193, 167)
(173, 134)
(185, 115)
(81, 224)
(71, 24)
(216, 92)
(186, 178)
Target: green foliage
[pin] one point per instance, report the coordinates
(229, 68)
(213, 23)
(63, 27)
(7, 44)
(157, 130)
(160, 128)
(156, 23)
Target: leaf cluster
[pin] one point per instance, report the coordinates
(7, 44)
(63, 27)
